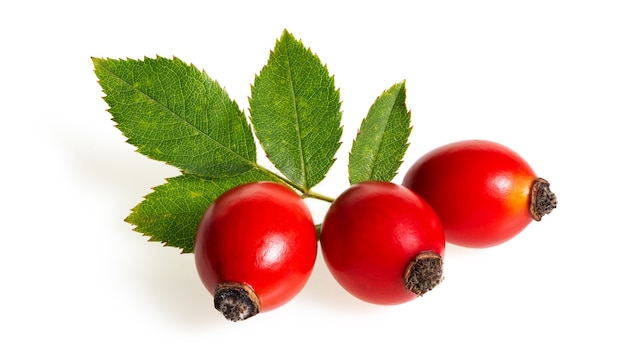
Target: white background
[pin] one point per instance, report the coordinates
(547, 78)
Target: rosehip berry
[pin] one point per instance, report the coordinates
(255, 248)
(483, 192)
(383, 243)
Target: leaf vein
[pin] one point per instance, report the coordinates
(178, 117)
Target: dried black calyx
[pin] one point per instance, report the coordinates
(236, 301)
(542, 200)
(424, 273)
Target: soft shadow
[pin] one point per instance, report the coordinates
(322, 290)
(120, 177)
(172, 283)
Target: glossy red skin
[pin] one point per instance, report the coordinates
(480, 190)
(370, 234)
(260, 234)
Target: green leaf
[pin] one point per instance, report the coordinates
(175, 113)
(381, 143)
(295, 112)
(172, 212)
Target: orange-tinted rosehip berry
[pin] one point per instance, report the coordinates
(255, 248)
(383, 243)
(483, 192)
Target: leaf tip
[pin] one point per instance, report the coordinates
(286, 34)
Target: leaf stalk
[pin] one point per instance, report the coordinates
(304, 192)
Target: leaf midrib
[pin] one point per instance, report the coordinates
(380, 140)
(297, 120)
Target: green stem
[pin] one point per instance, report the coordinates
(305, 192)
(318, 196)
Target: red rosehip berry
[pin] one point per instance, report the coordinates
(255, 248)
(383, 243)
(483, 192)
